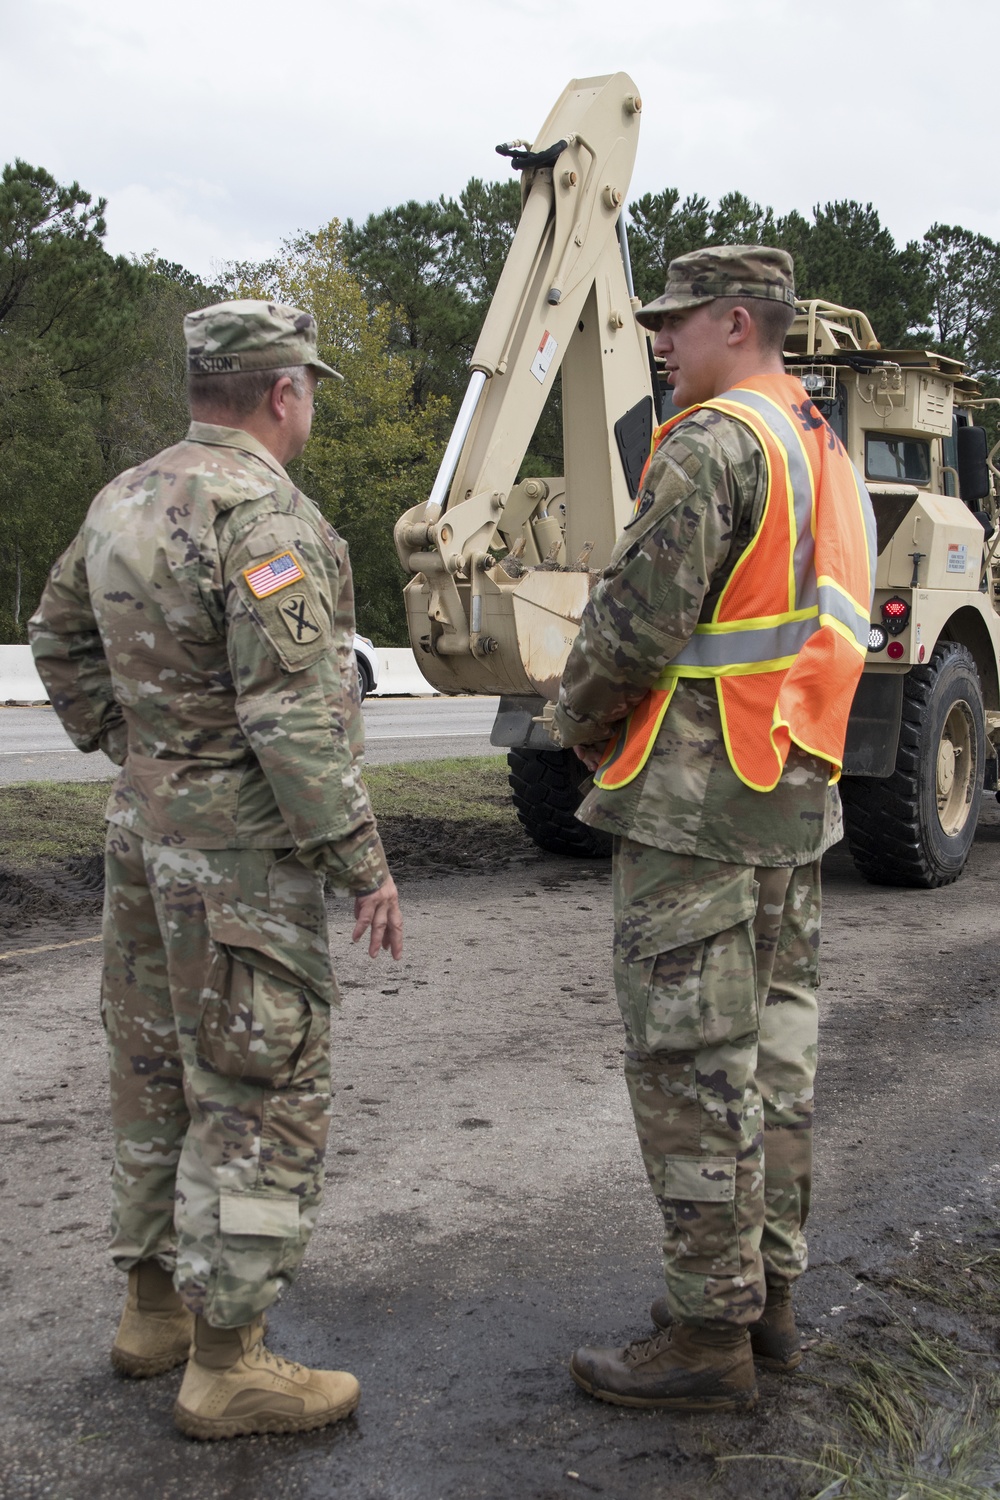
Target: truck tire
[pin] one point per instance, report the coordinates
(364, 678)
(916, 827)
(546, 788)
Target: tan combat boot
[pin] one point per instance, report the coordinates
(774, 1338)
(233, 1386)
(684, 1368)
(156, 1328)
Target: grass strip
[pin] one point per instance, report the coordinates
(467, 790)
(914, 1416)
(43, 821)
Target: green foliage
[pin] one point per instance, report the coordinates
(491, 211)
(435, 266)
(144, 407)
(964, 271)
(663, 228)
(408, 260)
(92, 354)
(467, 790)
(50, 465)
(58, 286)
(844, 255)
(68, 315)
(659, 232)
(372, 451)
(847, 257)
(909, 1411)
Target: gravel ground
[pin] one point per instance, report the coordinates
(486, 1209)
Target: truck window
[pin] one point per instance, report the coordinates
(908, 459)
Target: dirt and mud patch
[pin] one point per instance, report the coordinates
(486, 1211)
(72, 890)
(434, 818)
(64, 891)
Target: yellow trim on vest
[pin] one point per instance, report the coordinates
(754, 787)
(747, 416)
(622, 738)
(810, 750)
(832, 623)
(763, 396)
(767, 437)
(778, 723)
(759, 622)
(864, 528)
(738, 669)
(823, 580)
(837, 765)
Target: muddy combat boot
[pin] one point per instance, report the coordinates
(683, 1367)
(156, 1328)
(233, 1386)
(774, 1338)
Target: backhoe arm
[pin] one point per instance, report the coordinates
(562, 303)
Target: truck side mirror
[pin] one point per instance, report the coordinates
(973, 471)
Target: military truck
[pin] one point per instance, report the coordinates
(502, 567)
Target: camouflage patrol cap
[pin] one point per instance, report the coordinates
(245, 335)
(723, 271)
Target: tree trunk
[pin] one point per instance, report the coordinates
(17, 588)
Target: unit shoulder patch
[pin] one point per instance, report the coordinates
(643, 502)
(299, 619)
(274, 574)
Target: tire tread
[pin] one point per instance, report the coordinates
(882, 818)
(545, 785)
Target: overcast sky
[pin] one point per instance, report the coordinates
(216, 127)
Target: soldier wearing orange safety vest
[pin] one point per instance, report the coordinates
(709, 691)
(789, 633)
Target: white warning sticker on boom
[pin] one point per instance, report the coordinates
(543, 357)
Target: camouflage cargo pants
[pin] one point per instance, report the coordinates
(716, 969)
(216, 1003)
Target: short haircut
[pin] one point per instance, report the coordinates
(772, 319)
(241, 392)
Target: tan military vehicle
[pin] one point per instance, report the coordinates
(502, 568)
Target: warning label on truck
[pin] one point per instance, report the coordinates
(956, 557)
(543, 357)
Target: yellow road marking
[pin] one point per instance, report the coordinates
(50, 947)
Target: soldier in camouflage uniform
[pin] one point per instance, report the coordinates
(716, 886)
(199, 631)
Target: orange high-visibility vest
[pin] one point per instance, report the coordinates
(787, 639)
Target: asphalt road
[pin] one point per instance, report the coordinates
(486, 1208)
(34, 746)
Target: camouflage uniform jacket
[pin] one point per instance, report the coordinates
(701, 504)
(235, 718)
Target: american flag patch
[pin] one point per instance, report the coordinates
(267, 578)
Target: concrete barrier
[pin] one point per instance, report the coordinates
(19, 682)
(399, 676)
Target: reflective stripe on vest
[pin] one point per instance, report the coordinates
(787, 639)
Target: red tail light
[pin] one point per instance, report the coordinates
(895, 615)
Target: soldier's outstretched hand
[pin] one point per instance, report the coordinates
(590, 755)
(380, 911)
